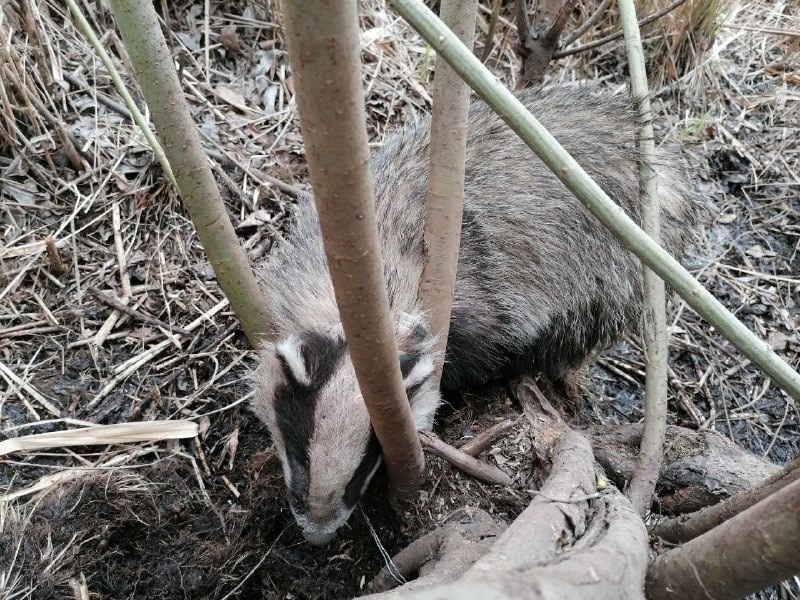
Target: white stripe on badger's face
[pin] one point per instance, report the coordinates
(290, 350)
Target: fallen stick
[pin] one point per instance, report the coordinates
(486, 438)
(478, 469)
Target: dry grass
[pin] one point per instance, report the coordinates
(84, 206)
(745, 129)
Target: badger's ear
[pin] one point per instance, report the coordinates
(293, 356)
(265, 378)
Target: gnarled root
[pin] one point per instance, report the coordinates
(571, 542)
(700, 468)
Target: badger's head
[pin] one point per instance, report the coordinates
(307, 394)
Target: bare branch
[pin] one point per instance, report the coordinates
(132, 313)
(445, 199)
(493, 19)
(654, 327)
(615, 36)
(478, 469)
(587, 25)
(158, 80)
(486, 438)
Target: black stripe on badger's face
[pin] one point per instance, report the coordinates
(358, 483)
(295, 403)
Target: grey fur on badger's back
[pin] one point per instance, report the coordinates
(540, 284)
(540, 281)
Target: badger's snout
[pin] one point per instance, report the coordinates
(321, 525)
(319, 539)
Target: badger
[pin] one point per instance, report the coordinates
(540, 285)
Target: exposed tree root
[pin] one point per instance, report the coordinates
(568, 543)
(483, 440)
(743, 555)
(700, 468)
(574, 541)
(442, 555)
(686, 527)
(480, 470)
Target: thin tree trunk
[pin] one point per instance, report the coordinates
(162, 91)
(446, 178)
(538, 42)
(323, 42)
(654, 327)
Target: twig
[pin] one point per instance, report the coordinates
(129, 367)
(221, 155)
(486, 438)
(256, 567)
(123, 308)
(596, 16)
(113, 318)
(487, 48)
(102, 98)
(236, 493)
(767, 30)
(9, 374)
(188, 362)
(523, 27)
(67, 139)
(136, 114)
(51, 318)
(478, 469)
(53, 256)
(615, 36)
